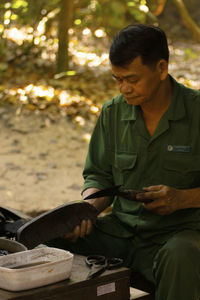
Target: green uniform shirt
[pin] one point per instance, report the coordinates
(122, 152)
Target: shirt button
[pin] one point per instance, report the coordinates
(169, 147)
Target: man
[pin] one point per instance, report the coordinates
(147, 138)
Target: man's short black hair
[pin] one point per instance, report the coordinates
(148, 42)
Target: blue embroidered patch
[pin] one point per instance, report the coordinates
(178, 148)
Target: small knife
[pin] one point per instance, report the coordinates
(115, 191)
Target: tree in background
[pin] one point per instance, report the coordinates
(157, 7)
(187, 20)
(45, 16)
(65, 18)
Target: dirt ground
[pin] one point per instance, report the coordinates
(40, 162)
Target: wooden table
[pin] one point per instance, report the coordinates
(111, 285)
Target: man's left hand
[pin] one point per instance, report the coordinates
(165, 199)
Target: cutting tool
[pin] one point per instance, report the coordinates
(99, 263)
(118, 191)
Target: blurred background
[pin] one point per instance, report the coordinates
(54, 78)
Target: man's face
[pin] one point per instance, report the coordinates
(138, 82)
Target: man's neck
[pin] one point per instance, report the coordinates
(155, 108)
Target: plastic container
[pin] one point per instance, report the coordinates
(11, 246)
(33, 268)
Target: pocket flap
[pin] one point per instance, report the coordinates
(124, 161)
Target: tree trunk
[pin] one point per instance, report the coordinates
(156, 6)
(64, 23)
(187, 20)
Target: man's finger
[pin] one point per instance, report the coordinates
(153, 188)
(73, 236)
(77, 231)
(148, 196)
(86, 227)
(83, 228)
(152, 205)
(89, 227)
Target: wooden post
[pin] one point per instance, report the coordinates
(64, 22)
(187, 20)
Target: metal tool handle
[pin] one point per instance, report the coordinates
(114, 263)
(95, 260)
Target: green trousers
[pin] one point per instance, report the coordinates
(173, 265)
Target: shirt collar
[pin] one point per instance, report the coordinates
(176, 110)
(130, 112)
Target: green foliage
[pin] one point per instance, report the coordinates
(39, 18)
(3, 67)
(18, 4)
(189, 54)
(25, 12)
(2, 47)
(111, 15)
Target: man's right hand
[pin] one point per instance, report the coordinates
(80, 231)
(85, 227)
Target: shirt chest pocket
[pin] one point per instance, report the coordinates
(182, 170)
(124, 167)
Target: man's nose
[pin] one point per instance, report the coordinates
(125, 87)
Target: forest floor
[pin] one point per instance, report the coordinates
(41, 166)
(41, 161)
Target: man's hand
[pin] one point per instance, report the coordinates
(85, 227)
(80, 231)
(165, 199)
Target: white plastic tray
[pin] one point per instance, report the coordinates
(33, 268)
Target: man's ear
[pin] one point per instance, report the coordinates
(162, 67)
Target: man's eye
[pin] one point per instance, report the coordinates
(118, 80)
(133, 80)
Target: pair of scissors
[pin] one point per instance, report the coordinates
(99, 263)
(117, 191)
